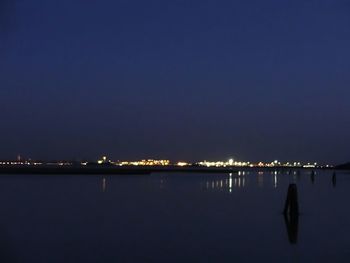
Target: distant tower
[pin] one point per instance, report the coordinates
(19, 158)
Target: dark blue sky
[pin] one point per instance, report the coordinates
(256, 80)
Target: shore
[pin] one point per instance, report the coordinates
(131, 170)
(99, 169)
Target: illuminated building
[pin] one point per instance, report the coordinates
(103, 160)
(148, 162)
(183, 164)
(230, 162)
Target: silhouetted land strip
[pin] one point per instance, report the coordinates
(111, 169)
(345, 166)
(100, 169)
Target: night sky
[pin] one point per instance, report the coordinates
(253, 80)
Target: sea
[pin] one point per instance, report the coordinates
(175, 217)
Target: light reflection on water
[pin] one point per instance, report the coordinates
(242, 179)
(175, 218)
(239, 179)
(225, 184)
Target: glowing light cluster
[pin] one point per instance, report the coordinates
(11, 163)
(148, 162)
(19, 163)
(183, 164)
(230, 162)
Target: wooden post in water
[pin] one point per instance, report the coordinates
(313, 173)
(291, 206)
(334, 179)
(292, 224)
(291, 213)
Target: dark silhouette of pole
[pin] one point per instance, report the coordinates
(291, 213)
(291, 206)
(292, 224)
(334, 179)
(313, 173)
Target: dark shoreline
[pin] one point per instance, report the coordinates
(48, 169)
(132, 170)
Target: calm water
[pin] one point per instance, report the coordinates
(173, 218)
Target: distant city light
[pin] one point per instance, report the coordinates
(165, 162)
(148, 162)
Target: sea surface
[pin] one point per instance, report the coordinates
(174, 218)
